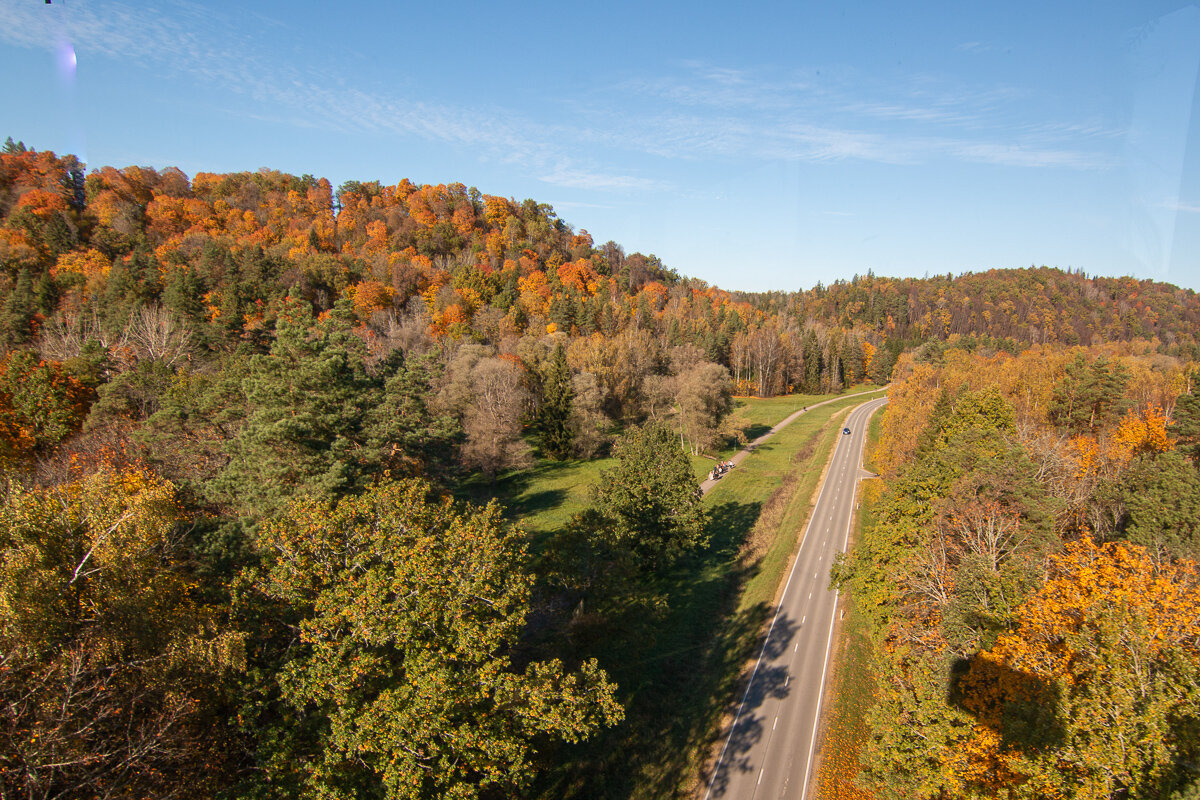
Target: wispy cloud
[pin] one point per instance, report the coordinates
(976, 47)
(567, 176)
(702, 111)
(1185, 208)
(803, 116)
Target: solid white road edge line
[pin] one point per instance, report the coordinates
(738, 715)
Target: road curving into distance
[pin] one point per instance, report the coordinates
(707, 484)
(768, 751)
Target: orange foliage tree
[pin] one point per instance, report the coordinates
(1096, 694)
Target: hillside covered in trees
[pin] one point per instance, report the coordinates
(1029, 585)
(234, 409)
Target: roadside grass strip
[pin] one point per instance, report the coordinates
(678, 674)
(682, 682)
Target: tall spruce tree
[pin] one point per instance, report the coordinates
(306, 425)
(554, 416)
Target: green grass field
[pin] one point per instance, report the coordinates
(545, 496)
(678, 675)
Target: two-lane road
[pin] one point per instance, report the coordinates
(768, 752)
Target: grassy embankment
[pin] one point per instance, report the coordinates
(678, 675)
(851, 690)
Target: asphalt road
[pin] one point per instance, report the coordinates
(768, 752)
(737, 458)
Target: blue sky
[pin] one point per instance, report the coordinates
(756, 145)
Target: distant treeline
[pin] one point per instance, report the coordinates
(232, 408)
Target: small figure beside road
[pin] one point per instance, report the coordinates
(720, 469)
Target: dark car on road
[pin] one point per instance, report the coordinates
(845, 431)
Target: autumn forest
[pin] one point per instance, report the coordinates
(256, 434)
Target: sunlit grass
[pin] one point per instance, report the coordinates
(676, 682)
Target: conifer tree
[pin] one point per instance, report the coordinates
(554, 416)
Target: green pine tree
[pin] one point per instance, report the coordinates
(554, 416)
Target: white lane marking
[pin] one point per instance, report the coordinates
(787, 679)
(828, 643)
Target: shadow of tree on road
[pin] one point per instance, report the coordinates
(748, 726)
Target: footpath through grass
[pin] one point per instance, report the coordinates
(852, 681)
(544, 497)
(678, 676)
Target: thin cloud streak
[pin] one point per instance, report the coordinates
(582, 179)
(757, 118)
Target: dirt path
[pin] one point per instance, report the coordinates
(708, 483)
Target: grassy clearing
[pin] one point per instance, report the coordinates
(677, 674)
(677, 678)
(544, 497)
(548, 494)
(852, 686)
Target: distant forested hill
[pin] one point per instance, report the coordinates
(1027, 306)
(233, 409)
(218, 251)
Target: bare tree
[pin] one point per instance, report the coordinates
(156, 334)
(704, 398)
(493, 419)
(489, 395)
(65, 337)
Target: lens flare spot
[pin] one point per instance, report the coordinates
(67, 61)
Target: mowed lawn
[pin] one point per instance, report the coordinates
(677, 674)
(544, 497)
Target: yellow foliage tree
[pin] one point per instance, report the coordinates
(1096, 694)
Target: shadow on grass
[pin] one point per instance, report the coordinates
(513, 489)
(675, 678)
(756, 430)
(537, 502)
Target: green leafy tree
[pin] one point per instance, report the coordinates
(410, 610)
(651, 501)
(40, 405)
